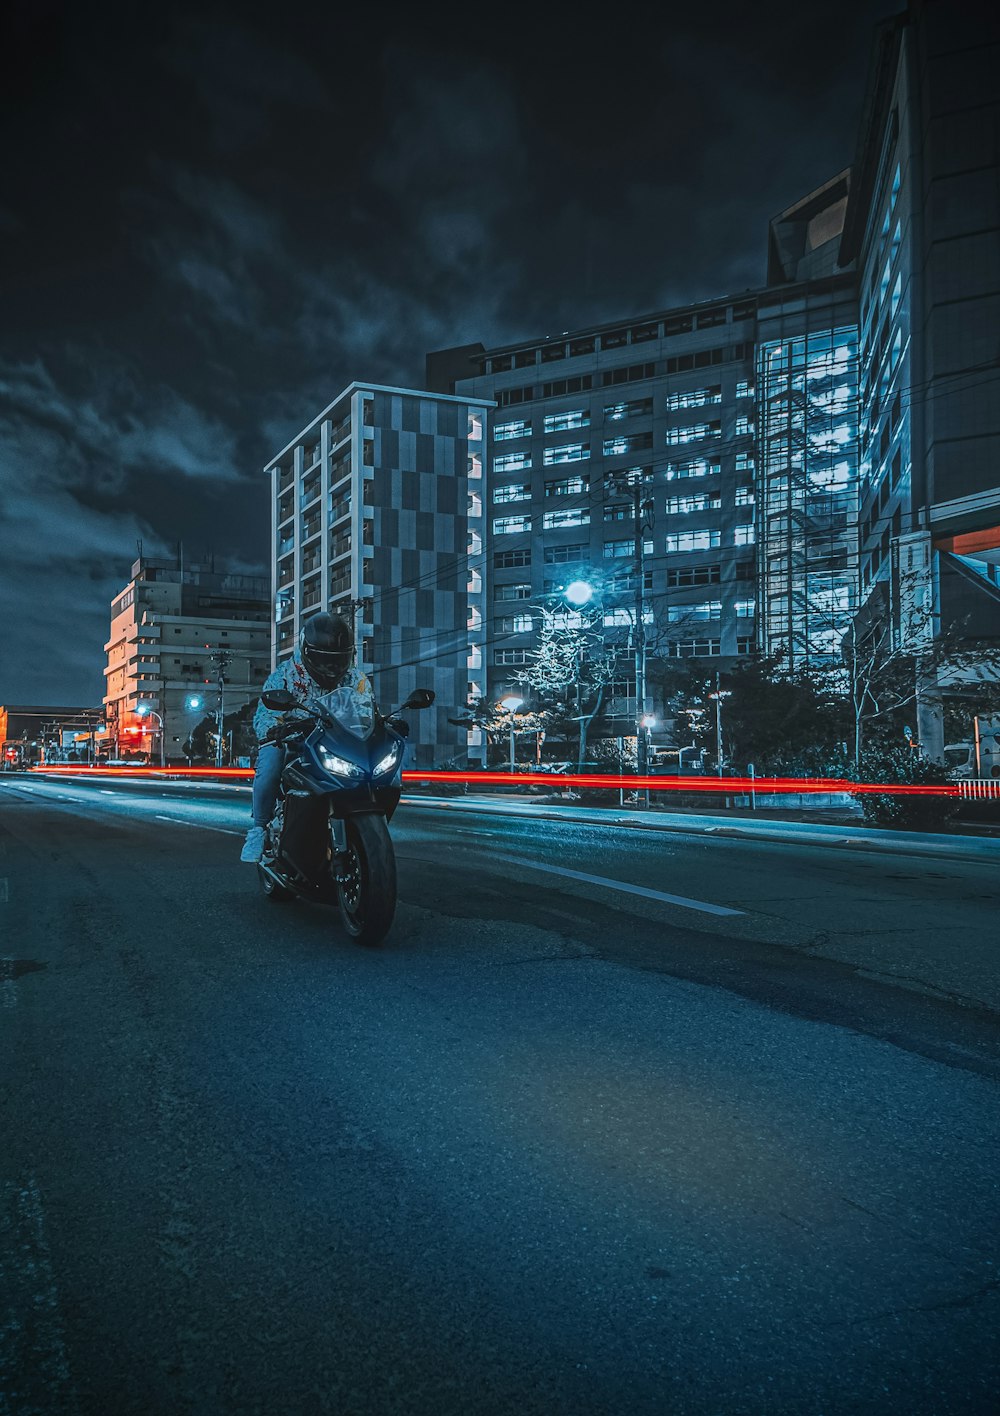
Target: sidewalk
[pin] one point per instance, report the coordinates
(739, 823)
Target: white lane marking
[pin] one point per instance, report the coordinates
(3, 890)
(681, 900)
(200, 826)
(106, 791)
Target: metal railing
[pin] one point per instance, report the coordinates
(980, 789)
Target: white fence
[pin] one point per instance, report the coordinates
(980, 789)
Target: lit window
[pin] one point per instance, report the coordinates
(568, 619)
(512, 461)
(568, 516)
(694, 433)
(622, 617)
(694, 398)
(744, 496)
(513, 492)
(743, 536)
(694, 648)
(743, 427)
(705, 610)
(638, 407)
(702, 540)
(698, 467)
(744, 462)
(897, 291)
(635, 442)
(518, 428)
(744, 389)
(745, 608)
(512, 592)
(567, 487)
(614, 549)
(505, 525)
(563, 422)
(515, 624)
(569, 452)
(695, 501)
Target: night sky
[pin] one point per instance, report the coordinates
(213, 218)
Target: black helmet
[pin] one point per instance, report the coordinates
(326, 647)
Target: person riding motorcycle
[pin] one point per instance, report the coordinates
(319, 672)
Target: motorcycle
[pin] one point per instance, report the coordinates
(328, 840)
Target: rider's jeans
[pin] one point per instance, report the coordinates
(270, 759)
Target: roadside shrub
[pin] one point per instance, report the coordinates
(903, 813)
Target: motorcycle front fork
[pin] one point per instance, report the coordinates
(338, 844)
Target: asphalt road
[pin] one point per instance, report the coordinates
(722, 1141)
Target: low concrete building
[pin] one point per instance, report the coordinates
(176, 628)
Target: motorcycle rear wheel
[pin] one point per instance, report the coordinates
(366, 881)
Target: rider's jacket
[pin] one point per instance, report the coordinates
(353, 703)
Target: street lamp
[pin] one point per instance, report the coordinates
(143, 710)
(719, 695)
(579, 592)
(512, 703)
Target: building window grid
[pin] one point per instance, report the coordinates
(694, 398)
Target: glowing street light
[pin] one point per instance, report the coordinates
(144, 710)
(512, 703)
(579, 592)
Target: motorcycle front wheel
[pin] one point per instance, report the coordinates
(366, 880)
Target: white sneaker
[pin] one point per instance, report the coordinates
(253, 846)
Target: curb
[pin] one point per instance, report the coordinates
(851, 838)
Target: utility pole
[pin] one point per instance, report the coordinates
(221, 660)
(719, 694)
(642, 511)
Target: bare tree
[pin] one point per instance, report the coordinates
(572, 662)
(886, 670)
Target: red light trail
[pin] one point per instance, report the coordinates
(726, 786)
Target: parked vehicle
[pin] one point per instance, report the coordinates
(328, 841)
(960, 757)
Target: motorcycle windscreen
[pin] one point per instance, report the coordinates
(353, 711)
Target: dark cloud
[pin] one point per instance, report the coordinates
(214, 217)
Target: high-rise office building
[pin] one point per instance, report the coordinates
(923, 227)
(662, 405)
(807, 435)
(377, 512)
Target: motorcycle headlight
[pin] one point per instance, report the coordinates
(390, 761)
(339, 765)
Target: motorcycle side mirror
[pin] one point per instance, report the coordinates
(419, 698)
(401, 726)
(279, 700)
